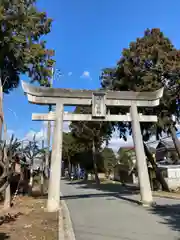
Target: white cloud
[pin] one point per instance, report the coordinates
(86, 75)
(39, 135)
(66, 126)
(69, 74)
(58, 74)
(9, 134)
(117, 142)
(42, 134)
(178, 130)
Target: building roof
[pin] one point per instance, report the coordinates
(168, 144)
(169, 166)
(152, 149)
(128, 147)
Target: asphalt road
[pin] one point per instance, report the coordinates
(99, 215)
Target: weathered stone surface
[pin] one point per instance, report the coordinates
(88, 117)
(81, 93)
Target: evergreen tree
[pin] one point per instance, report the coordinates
(22, 49)
(151, 62)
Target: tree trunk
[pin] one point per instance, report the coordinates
(78, 170)
(31, 181)
(47, 156)
(157, 171)
(42, 172)
(94, 151)
(175, 139)
(3, 178)
(69, 167)
(1, 109)
(7, 195)
(3, 185)
(85, 175)
(42, 183)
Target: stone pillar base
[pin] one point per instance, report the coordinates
(147, 204)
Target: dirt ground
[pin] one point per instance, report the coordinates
(32, 221)
(172, 195)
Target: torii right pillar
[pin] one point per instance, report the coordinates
(145, 188)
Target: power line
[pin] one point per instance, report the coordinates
(157, 150)
(160, 139)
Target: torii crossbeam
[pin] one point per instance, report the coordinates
(100, 101)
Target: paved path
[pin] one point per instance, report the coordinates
(98, 215)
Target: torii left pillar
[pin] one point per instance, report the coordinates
(54, 180)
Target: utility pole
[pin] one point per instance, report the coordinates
(7, 198)
(42, 170)
(1, 109)
(49, 132)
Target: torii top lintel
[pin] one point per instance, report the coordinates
(45, 94)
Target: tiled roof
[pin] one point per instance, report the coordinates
(169, 144)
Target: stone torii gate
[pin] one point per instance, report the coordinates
(100, 101)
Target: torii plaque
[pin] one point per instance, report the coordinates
(100, 101)
(99, 104)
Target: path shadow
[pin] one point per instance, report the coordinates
(108, 187)
(111, 190)
(96, 195)
(170, 214)
(4, 236)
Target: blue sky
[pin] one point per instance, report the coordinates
(88, 35)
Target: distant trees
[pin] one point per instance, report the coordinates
(126, 156)
(75, 154)
(33, 152)
(71, 148)
(109, 160)
(92, 135)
